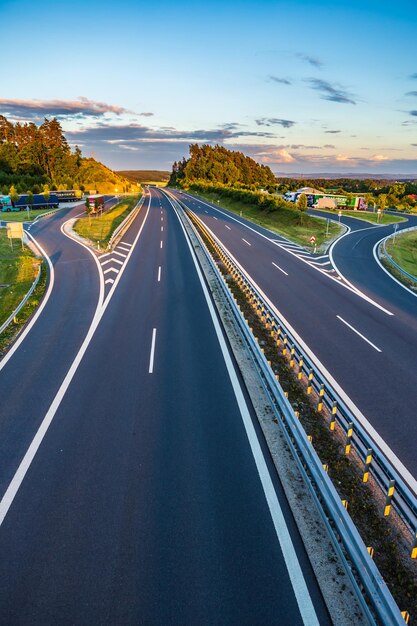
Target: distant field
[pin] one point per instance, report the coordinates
(99, 228)
(146, 176)
(367, 216)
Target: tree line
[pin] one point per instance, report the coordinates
(32, 157)
(217, 165)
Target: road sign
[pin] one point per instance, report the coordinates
(312, 239)
(15, 230)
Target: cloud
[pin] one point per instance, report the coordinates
(413, 75)
(413, 113)
(311, 60)
(330, 146)
(333, 93)
(280, 155)
(146, 114)
(33, 109)
(133, 133)
(332, 132)
(277, 79)
(413, 144)
(378, 157)
(274, 121)
(411, 93)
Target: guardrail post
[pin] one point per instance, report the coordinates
(349, 438)
(321, 395)
(300, 367)
(368, 462)
(333, 417)
(390, 494)
(406, 616)
(292, 351)
(284, 349)
(310, 381)
(345, 504)
(371, 551)
(414, 548)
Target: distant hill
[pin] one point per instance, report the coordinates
(145, 176)
(355, 175)
(94, 175)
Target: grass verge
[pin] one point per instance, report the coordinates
(99, 229)
(22, 216)
(18, 270)
(365, 503)
(403, 250)
(15, 327)
(367, 216)
(283, 222)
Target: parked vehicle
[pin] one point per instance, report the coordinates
(96, 204)
(71, 195)
(6, 204)
(39, 202)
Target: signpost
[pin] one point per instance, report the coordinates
(15, 231)
(395, 232)
(340, 215)
(327, 227)
(313, 242)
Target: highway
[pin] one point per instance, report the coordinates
(367, 343)
(136, 488)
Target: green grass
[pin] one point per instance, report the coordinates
(283, 222)
(367, 216)
(404, 251)
(18, 269)
(101, 227)
(22, 216)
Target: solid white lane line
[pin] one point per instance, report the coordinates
(358, 333)
(161, 244)
(228, 227)
(152, 355)
(279, 268)
(159, 274)
(120, 254)
(295, 572)
(249, 244)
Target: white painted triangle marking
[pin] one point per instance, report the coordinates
(109, 280)
(111, 269)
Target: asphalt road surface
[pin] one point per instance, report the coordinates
(367, 343)
(135, 486)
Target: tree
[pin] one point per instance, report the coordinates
(14, 196)
(302, 205)
(369, 199)
(46, 193)
(30, 199)
(382, 201)
(88, 209)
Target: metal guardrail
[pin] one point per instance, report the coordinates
(389, 257)
(122, 228)
(331, 508)
(23, 302)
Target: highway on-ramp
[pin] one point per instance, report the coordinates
(367, 345)
(146, 496)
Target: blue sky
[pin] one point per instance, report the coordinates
(301, 86)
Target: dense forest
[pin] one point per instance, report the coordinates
(145, 176)
(33, 156)
(217, 165)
